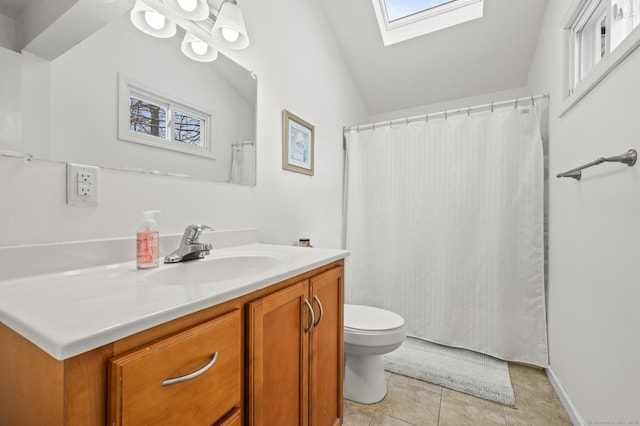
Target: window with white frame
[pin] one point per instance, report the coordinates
(153, 119)
(599, 34)
(401, 20)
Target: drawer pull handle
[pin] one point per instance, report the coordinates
(313, 316)
(193, 375)
(321, 310)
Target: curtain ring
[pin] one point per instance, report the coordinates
(516, 104)
(389, 123)
(426, 118)
(374, 127)
(533, 102)
(445, 115)
(468, 111)
(407, 120)
(491, 106)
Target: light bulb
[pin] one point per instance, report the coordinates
(188, 5)
(199, 47)
(154, 19)
(230, 35)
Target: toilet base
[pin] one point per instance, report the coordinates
(364, 380)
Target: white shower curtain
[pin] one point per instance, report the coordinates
(243, 163)
(444, 220)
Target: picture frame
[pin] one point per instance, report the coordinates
(297, 144)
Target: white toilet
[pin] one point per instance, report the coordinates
(369, 333)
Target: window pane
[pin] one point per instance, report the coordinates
(187, 129)
(398, 9)
(594, 38)
(147, 118)
(602, 42)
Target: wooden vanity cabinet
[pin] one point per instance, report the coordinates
(278, 368)
(295, 353)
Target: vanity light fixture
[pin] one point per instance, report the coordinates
(198, 50)
(151, 22)
(205, 30)
(195, 10)
(229, 28)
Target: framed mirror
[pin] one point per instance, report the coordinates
(79, 105)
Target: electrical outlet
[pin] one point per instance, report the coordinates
(84, 190)
(83, 184)
(85, 177)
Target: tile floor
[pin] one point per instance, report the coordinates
(413, 402)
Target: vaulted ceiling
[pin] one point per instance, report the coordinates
(482, 56)
(11, 8)
(478, 57)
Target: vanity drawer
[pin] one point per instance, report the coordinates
(208, 359)
(234, 418)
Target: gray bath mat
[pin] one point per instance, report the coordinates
(458, 369)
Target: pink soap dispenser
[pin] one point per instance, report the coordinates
(148, 241)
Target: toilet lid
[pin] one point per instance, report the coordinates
(358, 317)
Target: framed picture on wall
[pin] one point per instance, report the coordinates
(297, 144)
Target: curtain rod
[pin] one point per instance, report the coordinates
(528, 100)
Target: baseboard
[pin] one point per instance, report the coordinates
(575, 417)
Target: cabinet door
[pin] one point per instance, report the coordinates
(192, 377)
(278, 357)
(327, 349)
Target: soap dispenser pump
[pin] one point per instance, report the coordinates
(148, 241)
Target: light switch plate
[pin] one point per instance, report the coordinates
(83, 184)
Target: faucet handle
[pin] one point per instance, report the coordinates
(192, 233)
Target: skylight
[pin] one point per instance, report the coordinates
(398, 9)
(401, 20)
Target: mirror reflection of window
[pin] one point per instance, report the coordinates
(147, 118)
(157, 120)
(187, 129)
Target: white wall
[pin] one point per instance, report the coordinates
(594, 284)
(452, 104)
(7, 32)
(10, 107)
(300, 69)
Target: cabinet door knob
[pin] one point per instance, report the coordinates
(313, 316)
(321, 310)
(193, 375)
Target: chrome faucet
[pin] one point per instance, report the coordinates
(190, 248)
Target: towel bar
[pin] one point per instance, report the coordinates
(629, 158)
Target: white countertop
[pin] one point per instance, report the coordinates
(68, 313)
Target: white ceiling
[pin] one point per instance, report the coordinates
(482, 56)
(11, 8)
(478, 57)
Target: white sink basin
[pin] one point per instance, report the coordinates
(211, 270)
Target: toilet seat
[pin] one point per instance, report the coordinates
(373, 328)
(363, 319)
(369, 333)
